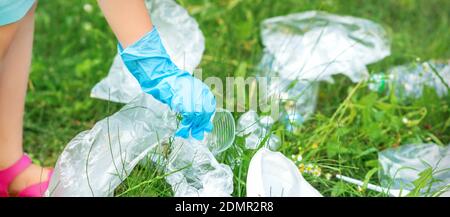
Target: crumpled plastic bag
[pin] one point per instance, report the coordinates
(194, 172)
(298, 97)
(271, 174)
(401, 166)
(299, 102)
(409, 80)
(315, 45)
(255, 129)
(182, 39)
(96, 161)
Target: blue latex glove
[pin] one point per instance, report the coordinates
(158, 76)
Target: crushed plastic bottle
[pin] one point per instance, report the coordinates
(255, 129)
(194, 172)
(401, 166)
(315, 45)
(271, 174)
(182, 39)
(96, 161)
(408, 81)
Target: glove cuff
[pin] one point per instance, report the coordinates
(148, 46)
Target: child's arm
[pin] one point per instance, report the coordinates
(128, 19)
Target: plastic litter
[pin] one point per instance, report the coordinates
(304, 48)
(247, 123)
(297, 97)
(255, 129)
(273, 143)
(223, 134)
(182, 39)
(409, 80)
(315, 45)
(218, 141)
(194, 172)
(401, 166)
(96, 161)
(300, 103)
(271, 174)
(391, 192)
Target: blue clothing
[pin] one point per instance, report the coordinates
(13, 10)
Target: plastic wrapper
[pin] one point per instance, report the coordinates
(247, 123)
(401, 166)
(182, 39)
(218, 141)
(96, 161)
(255, 129)
(300, 103)
(315, 45)
(409, 80)
(194, 172)
(297, 97)
(271, 174)
(273, 143)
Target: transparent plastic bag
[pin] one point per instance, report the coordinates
(255, 129)
(96, 161)
(409, 80)
(299, 103)
(297, 97)
(315, 45)
(304, 48)
(194, 172)
(218, 141)
(182, 39)
(401, 166)
(271, 174)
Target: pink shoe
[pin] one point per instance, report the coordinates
(9, 174)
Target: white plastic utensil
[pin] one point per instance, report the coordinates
(391, 192)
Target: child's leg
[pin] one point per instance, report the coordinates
(129, 19)
(15, 47)
(14, 69)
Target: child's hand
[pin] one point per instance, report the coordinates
(195, 102)
(158, 76)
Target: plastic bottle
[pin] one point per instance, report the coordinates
(409, 81)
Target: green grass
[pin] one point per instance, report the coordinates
(74, 49)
